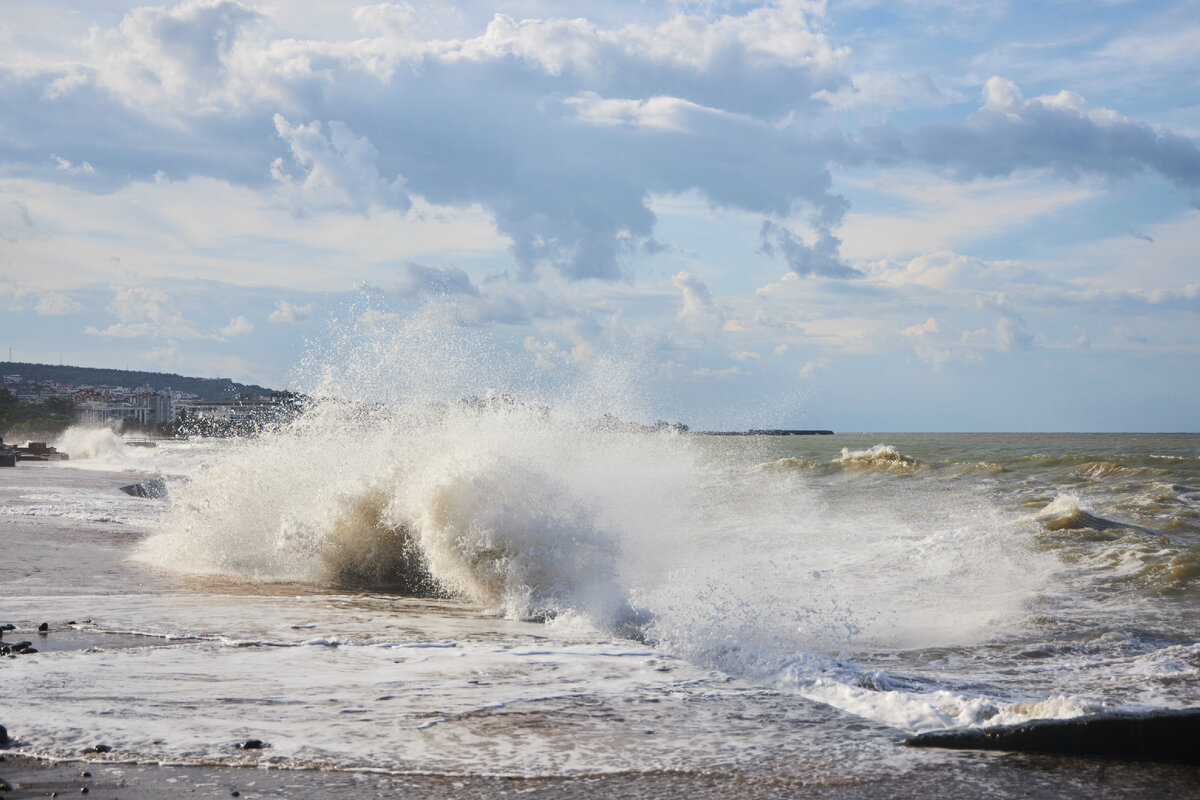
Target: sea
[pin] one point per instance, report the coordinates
(504, 589)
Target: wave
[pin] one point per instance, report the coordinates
(881, 457)
(493, 507)
(1065, 513)
(89, 443)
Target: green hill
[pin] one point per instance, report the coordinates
(207, 388)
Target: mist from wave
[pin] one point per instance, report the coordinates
(533, 504)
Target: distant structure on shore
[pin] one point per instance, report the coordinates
(767, 432)
(145, 405)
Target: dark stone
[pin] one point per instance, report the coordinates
(99, 748)
(252, 744)
(154, 489)
(5, 786)
(235, 793)
(45, 626)
(1163, 736)
(24, 648)
(3, 736)
(84, 790)
(8, 626)
(87, 774)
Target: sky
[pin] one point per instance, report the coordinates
(856, 215)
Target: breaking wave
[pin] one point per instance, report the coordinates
(881, 457)
(89, 443)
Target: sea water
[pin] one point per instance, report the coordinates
(517, 587)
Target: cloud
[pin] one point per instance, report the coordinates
(820, 258)
(886, 91)
(290, 314)
(144, 311)
(927, 327)
(559, 128)
(340, 170)
(1059, 132)
(417, 279)
(54, 304)
(1145, 237)
(698, 312)
(16, 224)
(183, 58)
(237, 326)
(83, 168)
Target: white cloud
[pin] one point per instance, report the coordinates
(237, 326)
(53, 304)
(15, 222)
(886, 91)
(925, 328)
(340, 170)
(289, 313)
(699, 312)
(83, 168)
(144, 311)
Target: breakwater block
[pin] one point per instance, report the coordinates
(154, 489)
(1166, 736)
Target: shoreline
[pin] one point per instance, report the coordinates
(971, 774)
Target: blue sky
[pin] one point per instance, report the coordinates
(856, 215)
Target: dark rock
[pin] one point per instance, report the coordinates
(1163, 736)
(235, 793)
(5, 786)
(99, 748)
(87, 774)
(45, 626)
(3, 736)
(5, 650)
(154, 489)
(251, 744)
(84, 790)
(8, 626)
(24, 648)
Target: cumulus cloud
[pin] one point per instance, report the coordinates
(886, 91)
(55, 304)
(698, 311)
(237, 326)
(819, 258)
(925, 328)
(64, 165)
(180, 58)
(340, 170)
(16, 224)
(1059, 132)
(560, 128)
(144, 311)
(290, 313)
(417, 279)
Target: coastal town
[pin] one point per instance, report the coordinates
(141, 407)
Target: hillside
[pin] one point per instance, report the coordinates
(207, 388)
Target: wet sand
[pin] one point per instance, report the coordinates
(972, 775)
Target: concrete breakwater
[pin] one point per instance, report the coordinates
(767, 432)
(33, 451)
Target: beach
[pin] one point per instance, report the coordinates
(689, 650)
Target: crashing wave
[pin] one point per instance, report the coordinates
(880, 457)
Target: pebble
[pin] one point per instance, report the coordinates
(252, 744)
(45, 626)
(3, 736)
